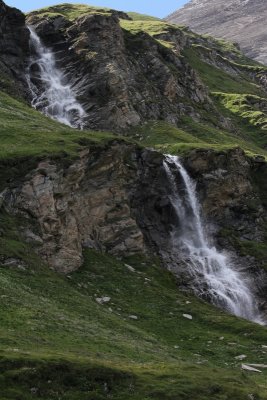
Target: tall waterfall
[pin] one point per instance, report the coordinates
(213, 274)
(51, 93)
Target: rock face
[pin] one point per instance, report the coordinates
(84, 205)
(228, 194)
(241, 21)
(122, 79)
(116, 199)
(14, 46)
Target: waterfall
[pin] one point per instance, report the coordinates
(50, 91)
(213, 274)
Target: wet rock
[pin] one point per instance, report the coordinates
(123, 79)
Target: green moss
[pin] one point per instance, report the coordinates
(141, 17)
(244, 112)
(152, 27)
(245, 106)
(70, 11)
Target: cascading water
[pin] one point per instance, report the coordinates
(51, 94)
(213, 274)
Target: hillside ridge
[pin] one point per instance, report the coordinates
(239, 21)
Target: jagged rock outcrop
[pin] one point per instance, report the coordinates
(226, 186)
(83, 205)
(14, 47)
(121, 78)
(241, 21)
(116, 199)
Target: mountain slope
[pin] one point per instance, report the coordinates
(88, 308)
(240, 21)
(57, 341)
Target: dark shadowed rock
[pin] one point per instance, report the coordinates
(14, 45)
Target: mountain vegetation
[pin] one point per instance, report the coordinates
(93, 303)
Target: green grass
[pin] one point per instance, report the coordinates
(56, 338)
(26, 132)
(56, 341)
(246, 107)
(141, 17)
(190, 135)
(244, 111)
(70, 11)
(152, 27)
(218, 80)
(73, 11)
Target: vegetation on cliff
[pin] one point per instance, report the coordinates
(117, 327)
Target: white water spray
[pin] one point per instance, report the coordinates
(51, 94)
(214, 276)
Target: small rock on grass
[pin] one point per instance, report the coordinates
(133, 317)
(248, 368)
(188, 316)
(103, 300)
(130, 268)
(241, 357)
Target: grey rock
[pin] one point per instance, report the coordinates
(188, 316)
(250, 369)
(239, 21)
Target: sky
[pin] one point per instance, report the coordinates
(157, 8)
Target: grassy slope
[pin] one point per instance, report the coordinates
(71, 11)
(190, 134)
(26, 132)
(230, 94)
(58, 343)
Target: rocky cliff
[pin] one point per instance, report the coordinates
(14, 47)
(240, 21)
(114, 196)
(117, 199)
(123, 78)
(96, 295)
(126, 72)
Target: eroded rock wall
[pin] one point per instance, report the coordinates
(121, 78)
(14, 47)
(83, 205)
(117, 199)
